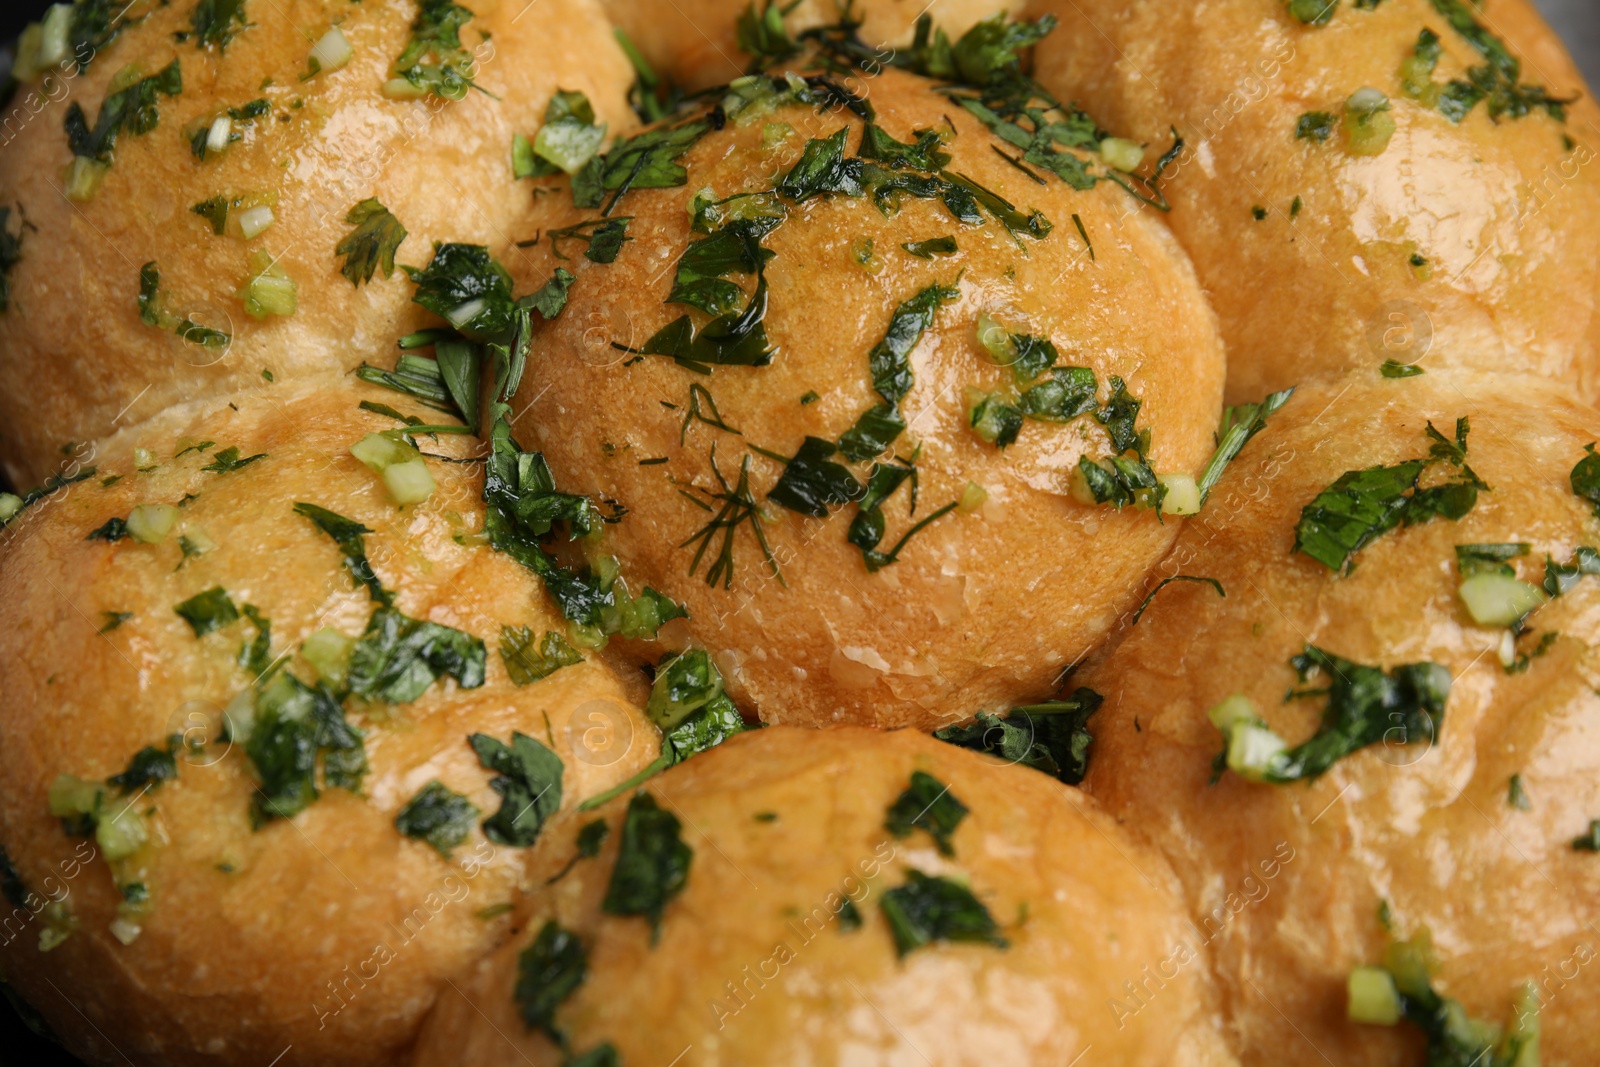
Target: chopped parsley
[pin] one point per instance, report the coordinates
(762, 33)
(1366, 705)
(347, 534)
(1052, 737)
(889, 359)
(1496, 81)
(603, 238)
(434, 60)
(1122, 480)
(1559, 578)
(647, 160)
(932, 247)
(689, 704)
(589, 839)
(243, 117)
(132, 108)
(548, 972)
(95, 24)
(867, 528)
(10, 251)
(255, 655)
(417, 376)
(372, 244)
(569, 138)
(701, 277)
(1315, 126)
(736, 334)
(1589, 840)
(1393, 368)
(528, 779)
(208, 611)
(524, 509)
(652, 863)
(150, 766)
(889, 363)
(1362, 505)
(111, 531)
(1133, 620)
(1516, 795)
(602, 1055)
(215, 22)
(1239, 423)
(1402, 988)
(527, 664)
(295, 729)
(113, 619)
(467, 287)
(153, 313)
(1585, 478)
(11, 884)
(927, 804)
(227, 460)
(1313, 12)
(397, 657)
(812, 482)
(928, 909)
(438, 815)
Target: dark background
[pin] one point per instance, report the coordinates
(1578, 22)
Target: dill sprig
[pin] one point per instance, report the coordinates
(738, 507)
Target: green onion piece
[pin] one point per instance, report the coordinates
(121, 835)
(400, 89)
(380, 451)
(269, 291)
(1494, 599)
(253, 220)
(83, 178)
(217, 136)
(331, 51)
(569, 145)
(1182, 496)
(71, 796)
(1367, 122)
(408, 482)
(996, 340)
(150, 523)
(1254, 751)
(522, 164)
(1121, 154)
(1372, 997)
(328, 653)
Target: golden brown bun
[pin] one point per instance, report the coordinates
(1505, 214)
(752, 965)
(1429, 829)
(695, 42)
(983, 608)
(78, 360)
(331, 932)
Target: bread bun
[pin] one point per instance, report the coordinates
(986, 605)
(1470, 836)
(329, 931)
(1463, 243)
(79, 360)
(760, 960)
